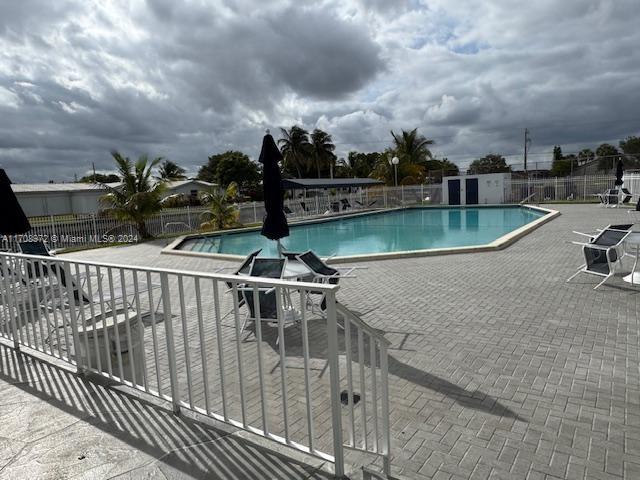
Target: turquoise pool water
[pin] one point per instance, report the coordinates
(381, 232)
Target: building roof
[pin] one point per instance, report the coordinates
(310, 183)
(84, 187)
(179, 183)
(57, 187)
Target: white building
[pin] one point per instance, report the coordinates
(44, 199)
(474, 189)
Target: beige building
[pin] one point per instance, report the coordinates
(44, 199)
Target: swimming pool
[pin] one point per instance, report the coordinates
(385, 232)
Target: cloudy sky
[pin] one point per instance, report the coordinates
(184, 80)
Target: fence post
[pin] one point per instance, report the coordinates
(584, 187)
(8, 286)
(422, 197)
(556, 188)
(189, 216)
(166, 315)
(95, 228)
(318, 205)
(334, 382)
(384, 193)
(71, 298)
(255, 213)
(386, 433)
(53, 229)
(402, 193)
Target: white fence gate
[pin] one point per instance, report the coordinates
(181, 336)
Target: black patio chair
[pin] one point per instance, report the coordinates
(602, 254)
(369, 205)
(267, 301)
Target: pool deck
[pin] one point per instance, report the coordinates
(498, 369)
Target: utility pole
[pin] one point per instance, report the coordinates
(527, 142)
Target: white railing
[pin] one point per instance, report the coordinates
(584, 188)
(180, 336)
(89, 230)
(93, 230)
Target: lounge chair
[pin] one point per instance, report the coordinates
(109, 298)
(34, 268)
(267, 301)
(603, 253)
(345, 204)
(616, 197)
(304, 207)
(243, 269)
(369, 205)
(322, 273)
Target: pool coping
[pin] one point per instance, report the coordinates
(498, 244)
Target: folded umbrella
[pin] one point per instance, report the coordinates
(275, 225)
(13, 221)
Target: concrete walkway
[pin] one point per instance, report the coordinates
(56, 425)
(498, 369)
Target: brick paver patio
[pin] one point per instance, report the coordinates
(498, 368)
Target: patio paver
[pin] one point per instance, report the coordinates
(498, 368)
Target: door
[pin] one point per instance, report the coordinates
(471, 185)
(454, 192)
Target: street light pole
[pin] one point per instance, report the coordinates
(394, 161)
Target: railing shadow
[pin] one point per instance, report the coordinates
(318, 349)
(179, 446)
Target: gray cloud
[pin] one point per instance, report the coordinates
(78, 79)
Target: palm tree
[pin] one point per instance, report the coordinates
(412, 147)
(169, 171)
(295, 148)
(322, 149)
(221, 209)
(137, 197)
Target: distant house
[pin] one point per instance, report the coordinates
(44, 199)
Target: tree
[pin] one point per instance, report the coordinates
(362, 164)
(296, 150)
(558, 164)
(563, 165)
(322, 147)
(492, 163)
(138, 197)
(411, 147)
(169, 171)
(412, 151)
(631, 147)
(223, 213)
(586, 155)
(100, 178)
(437, 168)
(228, 167)
(342, 169)
(607, 155)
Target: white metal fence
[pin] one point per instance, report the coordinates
(89, 230)
(94, 230)
(574, 188)
(180, 336)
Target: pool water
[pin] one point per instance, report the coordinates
(380, 232)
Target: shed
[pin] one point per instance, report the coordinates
(474, 189)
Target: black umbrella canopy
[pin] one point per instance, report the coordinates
(619, 173)
(274, 226)
(13, 221)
